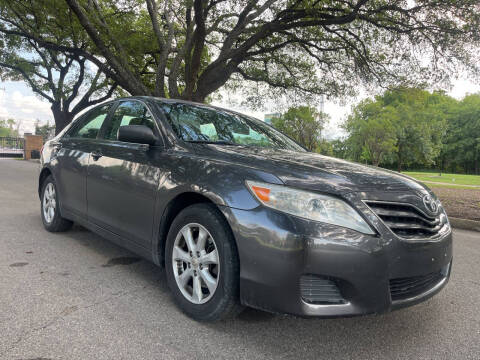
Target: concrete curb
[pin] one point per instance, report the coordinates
(465, 224)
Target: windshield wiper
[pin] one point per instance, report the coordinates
(219, 142)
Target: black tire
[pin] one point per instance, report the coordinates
(224, 303)
(57, 223)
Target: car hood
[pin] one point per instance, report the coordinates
(311, 171)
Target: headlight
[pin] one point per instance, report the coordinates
(309, 205)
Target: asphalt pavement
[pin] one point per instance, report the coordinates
(75, 295)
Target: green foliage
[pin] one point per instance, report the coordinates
(421, 124)
(47, 131)
(416, 129)
(339, 148)
(304, 124)
(9, 128)
(404, 126)
(42, 44)
(325, 147)
(191, 48)
(461, 152)
(372, 131)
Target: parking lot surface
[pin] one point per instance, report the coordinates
(75, 295)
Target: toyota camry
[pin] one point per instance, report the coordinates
(239, 214)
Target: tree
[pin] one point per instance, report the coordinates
(302, 123)
(325, 147)
(46, 130)
(421, 124)
(67, 79)
(191, 48)
(405, 126)
(339, 148)
(9, 128)
(372, 131)
(461, 152)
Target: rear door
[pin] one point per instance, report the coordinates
(73, 155)
(122, 179)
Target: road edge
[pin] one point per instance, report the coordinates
(465, 224)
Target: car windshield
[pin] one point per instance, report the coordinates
(201, 124)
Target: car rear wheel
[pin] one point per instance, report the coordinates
(50, 209)
(202, 264)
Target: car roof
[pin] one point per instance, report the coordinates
(155, 98)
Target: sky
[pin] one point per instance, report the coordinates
(18, 101)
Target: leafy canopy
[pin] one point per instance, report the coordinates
(65, 78)
(461, 151)
(371, 127)
(9, 128)
(302, 123)
(404, 126)
(191, 48)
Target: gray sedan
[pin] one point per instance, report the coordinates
(241, 215)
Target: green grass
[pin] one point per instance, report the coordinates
(452, 186)
(454, 179)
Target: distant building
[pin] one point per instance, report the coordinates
(268, 117)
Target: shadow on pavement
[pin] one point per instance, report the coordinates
(281, 336)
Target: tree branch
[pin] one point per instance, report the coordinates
(32, 84)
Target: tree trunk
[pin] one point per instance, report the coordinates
(210, 80)
(62, 118)
(476, 165)
(399, 156)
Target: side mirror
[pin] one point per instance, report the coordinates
(138, 134)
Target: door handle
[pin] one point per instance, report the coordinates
(96, 155)
(57, 145)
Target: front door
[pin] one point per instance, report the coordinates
(122, 180)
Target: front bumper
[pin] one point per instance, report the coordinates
(277, 249)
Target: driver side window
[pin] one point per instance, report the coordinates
(129, 113)
(91, 124)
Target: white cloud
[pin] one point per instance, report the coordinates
(29, 104)
(462, 87)
(17, 101)
(3, 110)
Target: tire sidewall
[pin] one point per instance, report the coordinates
(56, 218)
(227, 288)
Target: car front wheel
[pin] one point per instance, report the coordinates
(202, 264)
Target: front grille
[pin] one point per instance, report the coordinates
(320, 291)
(404, 288)
(406, 220)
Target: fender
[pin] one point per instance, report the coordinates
(42, 176)
(188, 184)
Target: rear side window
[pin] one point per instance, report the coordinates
(91, 124)
(128, 113)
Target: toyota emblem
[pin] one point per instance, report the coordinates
(430, 204)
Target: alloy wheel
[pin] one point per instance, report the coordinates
(49, 203)
(196, 266)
